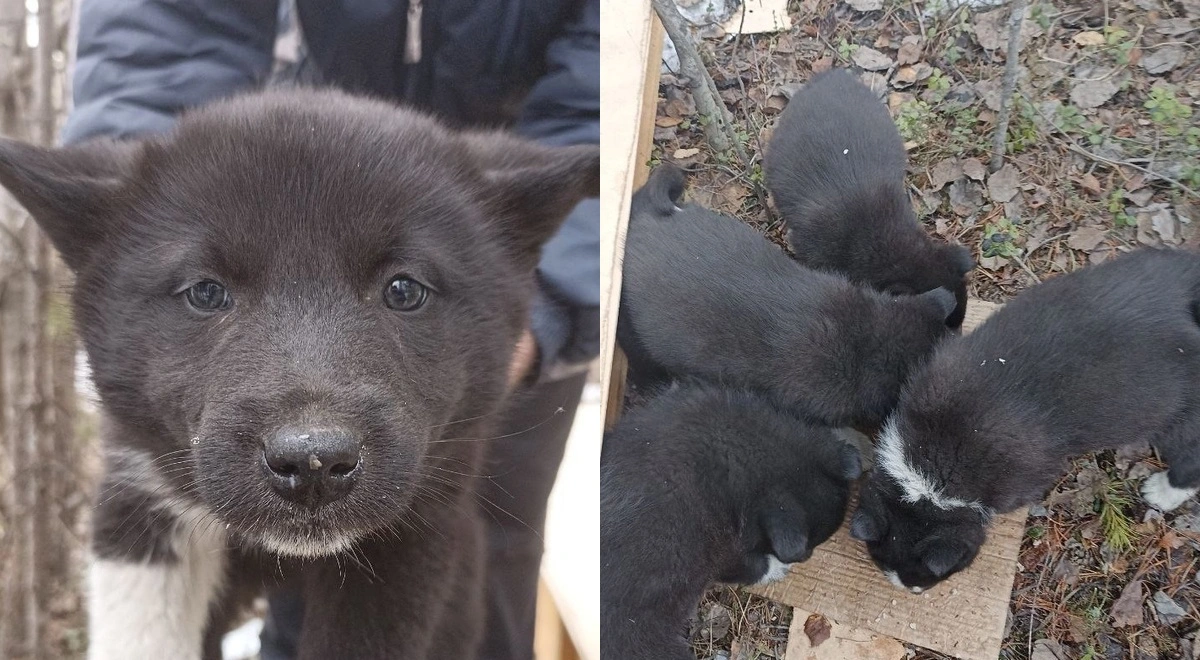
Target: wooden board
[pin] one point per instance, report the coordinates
(631, 40)
(963, 617)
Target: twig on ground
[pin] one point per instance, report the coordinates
(708, 103)
(1011, 64)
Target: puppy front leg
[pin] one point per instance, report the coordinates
(156, 568)
(1168, 490)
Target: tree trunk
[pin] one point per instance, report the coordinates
(42, 478)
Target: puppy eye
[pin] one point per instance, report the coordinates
(208, 296)
(404, 294)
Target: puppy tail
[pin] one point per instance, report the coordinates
(662, 192)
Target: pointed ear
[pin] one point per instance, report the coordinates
(70, 190)
(943, 300)
(864, 527)
(943, 555)
(532, 188)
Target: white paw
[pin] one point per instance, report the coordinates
(776, 570)
(894, 578)
(1160, 494)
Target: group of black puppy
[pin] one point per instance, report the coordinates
(731, 469)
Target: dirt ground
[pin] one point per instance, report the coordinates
(1102, 157)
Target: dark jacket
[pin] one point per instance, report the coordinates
(530, 64)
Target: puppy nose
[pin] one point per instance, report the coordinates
(312, 466)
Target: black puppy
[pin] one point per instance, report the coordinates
(705, 484)
(299, 308)
(1092, 360)
(705, 295)
(835, 166)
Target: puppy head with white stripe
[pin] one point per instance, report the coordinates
(916, 532)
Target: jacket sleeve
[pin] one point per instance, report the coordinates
(139, 62)
(564, 108)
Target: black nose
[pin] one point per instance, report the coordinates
(312, 466)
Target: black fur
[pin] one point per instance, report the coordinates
(1092, 360)
(699, 485)
(305, 204)
(835, 166)
(707, 296)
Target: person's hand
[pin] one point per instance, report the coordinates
(524, 357)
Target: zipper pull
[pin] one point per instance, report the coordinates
(412, 40)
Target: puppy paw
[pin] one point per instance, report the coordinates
(776, 571)
(1160, 494)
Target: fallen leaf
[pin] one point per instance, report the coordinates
(1004, 184)
(869, 59)
(1174, 26)
(1127, 609)
(1093, 93)
(1169, 612)
(1086, 238)
(910, 50)
(823, 64)
(944, 172)
(714, 623)
(667, 122)
(685, 153)
(965, 197)
(875, 82)
(989, 91)
(1140, 197)
(897, 99)
(774, 104)
(974, 169)
(1163, 223)
(991, 29)
(817, 628)
(865, 5)
(1162, 60)
(1145, 224)
(1090, 184)
(883, 41)
(1089, 38)
(905, 76)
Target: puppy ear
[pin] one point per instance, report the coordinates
(960, 259)
(864, 527)
(942, 300)
(943, 555)
(532, 188)
(851, 461)
(69, 191)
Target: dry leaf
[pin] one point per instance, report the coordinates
(817, 628)
(667, 122)
(944, 172)
(1004, 185)
(1090, 184)
(685, 153)
(910, 50)
(904, 77)
(1127, 610)
(775, 104)
(1162, 60)
(869, 59)
(1089, 38)
(822, 64)
(1093, 93)
(1086, 238)
(974, 169)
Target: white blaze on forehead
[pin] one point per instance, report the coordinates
(915, 485)
(149, 611)
(1160, 494)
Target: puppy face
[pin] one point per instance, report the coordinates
(297, 297)
(917, 545)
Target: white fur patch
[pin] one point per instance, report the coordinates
(915, 485)
(307, 548)
(1160, 494)
(145, 611)
(894, 578)
(776, 570)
